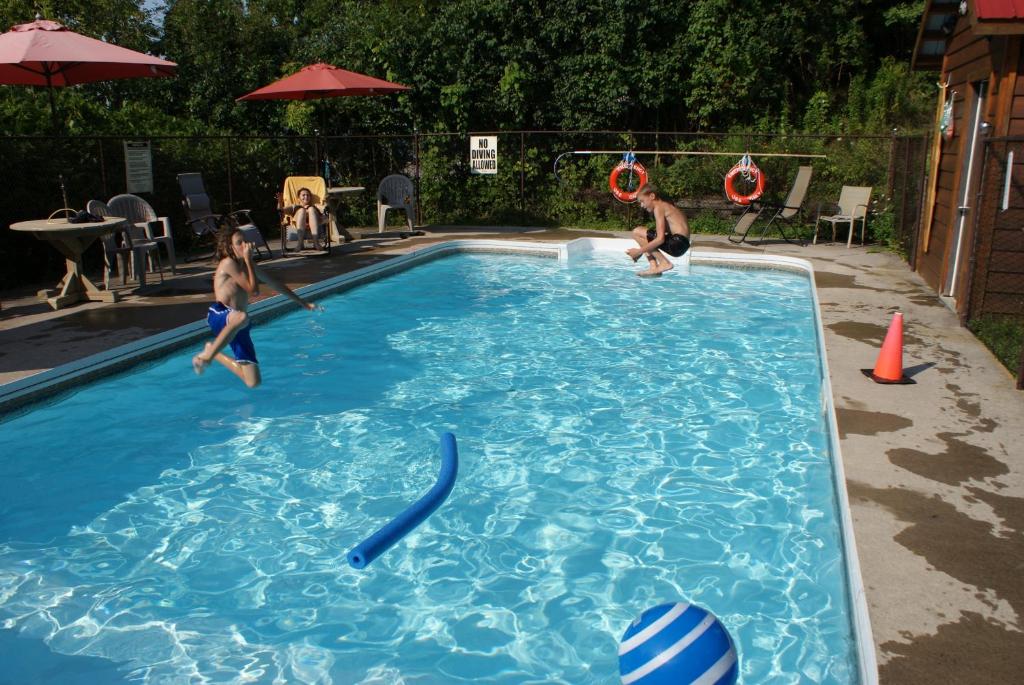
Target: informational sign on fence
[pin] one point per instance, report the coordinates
(138, 166)
(483, 154)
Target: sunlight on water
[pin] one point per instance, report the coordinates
(622, 443)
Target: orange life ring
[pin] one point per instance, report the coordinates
(730, 184)
(613, 180)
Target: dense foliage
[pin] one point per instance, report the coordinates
(496, 65)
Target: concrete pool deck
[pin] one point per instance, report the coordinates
(937, 497)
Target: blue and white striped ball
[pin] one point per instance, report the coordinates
(677, 643)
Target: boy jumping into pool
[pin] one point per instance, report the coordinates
(234, 281)
(671, 233)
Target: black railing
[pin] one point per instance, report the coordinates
(246, 172)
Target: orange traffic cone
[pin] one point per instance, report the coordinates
(889, 367)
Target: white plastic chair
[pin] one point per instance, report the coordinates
(396, 192)
(133, 254)
(852, 207)
(141, 214)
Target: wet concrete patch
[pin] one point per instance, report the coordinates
(827, 279)
(1009, 509)
(954, 543)
(959, 463)
(971, 651)
(926, 300)
(856, 422)
(972, 409)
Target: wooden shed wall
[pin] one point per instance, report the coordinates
(997, 285)
(968, 59)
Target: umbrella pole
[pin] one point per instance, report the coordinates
(53, 103)
(322, 158)
(56, 132)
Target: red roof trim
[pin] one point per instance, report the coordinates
(998, 10)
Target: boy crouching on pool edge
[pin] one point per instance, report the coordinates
(671, 233)
(235, 279)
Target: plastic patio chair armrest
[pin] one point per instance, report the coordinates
(154, 228)
(166, 223)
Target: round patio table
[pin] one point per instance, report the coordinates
(71, 240)
(334, 197)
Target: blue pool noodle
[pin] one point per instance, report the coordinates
(378, 543)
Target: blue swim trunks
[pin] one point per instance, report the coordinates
(241, 345)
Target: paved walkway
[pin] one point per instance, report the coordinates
(937, 496)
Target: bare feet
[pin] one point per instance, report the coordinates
(199, 362)
(656, 270)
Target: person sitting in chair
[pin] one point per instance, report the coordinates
(308, 218)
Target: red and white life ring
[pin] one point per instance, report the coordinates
(750, 172)
(613, 180)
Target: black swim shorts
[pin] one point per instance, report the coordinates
(675, 244)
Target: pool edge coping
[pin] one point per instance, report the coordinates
(21, 393)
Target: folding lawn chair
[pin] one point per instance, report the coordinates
(777, 215)
(290, 197)
(204, 222)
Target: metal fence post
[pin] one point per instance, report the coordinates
(231, 194)
(890, 178)
(522, 172)
(103, 168)
(419, 171)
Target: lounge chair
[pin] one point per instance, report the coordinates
(853, 207)
(290, 197)
(205, 223)
(777, 215)
(743, 224)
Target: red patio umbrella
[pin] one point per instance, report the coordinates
(323, 81)
(45, 53)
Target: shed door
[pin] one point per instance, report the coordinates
(955, 257)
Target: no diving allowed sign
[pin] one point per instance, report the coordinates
(483, 154)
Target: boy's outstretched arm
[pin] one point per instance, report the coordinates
(271, 280)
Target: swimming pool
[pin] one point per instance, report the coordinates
(623, 442)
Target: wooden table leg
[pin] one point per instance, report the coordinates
(75, 286)
(94, 293)
(343, 235)
(338, 232)
(71, 290)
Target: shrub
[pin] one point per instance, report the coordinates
(1002, 334)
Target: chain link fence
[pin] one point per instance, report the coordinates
(244, 172)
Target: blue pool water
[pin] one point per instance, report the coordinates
(623, 442)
